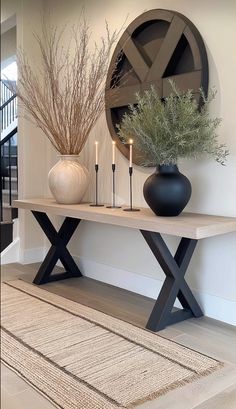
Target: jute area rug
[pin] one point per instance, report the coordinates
(80, 358)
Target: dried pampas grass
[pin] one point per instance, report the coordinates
(64, 95)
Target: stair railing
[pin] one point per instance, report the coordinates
(7, 158)
(8, 106)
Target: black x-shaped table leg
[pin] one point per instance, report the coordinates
(174, 285)
(58, 250)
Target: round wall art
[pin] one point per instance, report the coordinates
(157, 46)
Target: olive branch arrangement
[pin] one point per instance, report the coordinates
(165, 131)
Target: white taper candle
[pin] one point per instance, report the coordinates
(130, 153)
(113, 152)
(96, 152)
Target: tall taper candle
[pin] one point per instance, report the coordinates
(130, 152)
(113, 152)
(96, 152)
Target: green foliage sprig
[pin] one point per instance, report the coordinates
(164, 131)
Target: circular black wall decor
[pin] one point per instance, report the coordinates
(157, 46)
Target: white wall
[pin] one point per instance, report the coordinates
(32, 145)
(109, 252)
(8, 45)
(120, 255)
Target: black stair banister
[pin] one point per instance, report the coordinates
(8, 112)
(8, 169)
(9, 136)
(8, 101)
(7, 88)
(8, 162)
(8, 106)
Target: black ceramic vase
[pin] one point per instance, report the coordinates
(167, 191)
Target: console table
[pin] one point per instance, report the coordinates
(190, 227)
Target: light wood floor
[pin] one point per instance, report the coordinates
(217, 391)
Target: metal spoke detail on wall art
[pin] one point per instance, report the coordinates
(157, 46)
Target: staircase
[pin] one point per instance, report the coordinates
(9, 169)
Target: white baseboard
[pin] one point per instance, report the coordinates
(11, 253)
(34, 255)
(214, 307)
(15, 228)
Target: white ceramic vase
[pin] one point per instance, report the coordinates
(68, 180)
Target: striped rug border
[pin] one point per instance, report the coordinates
(43, 298)
(75, 377)
(144, 330)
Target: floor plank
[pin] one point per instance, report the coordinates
(13, 384)
(205, 335)
(223, 400)
(209, 344)
(189, 396)
(111, 300)
(18, 394)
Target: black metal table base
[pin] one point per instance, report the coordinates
(174, 268)
(58, 250)
(174, 285)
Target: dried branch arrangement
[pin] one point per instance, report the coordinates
(64, 96)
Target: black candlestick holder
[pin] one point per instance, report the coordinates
(96, 204)
(113, 206)
(131, 208)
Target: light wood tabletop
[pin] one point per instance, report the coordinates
(189, 225)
